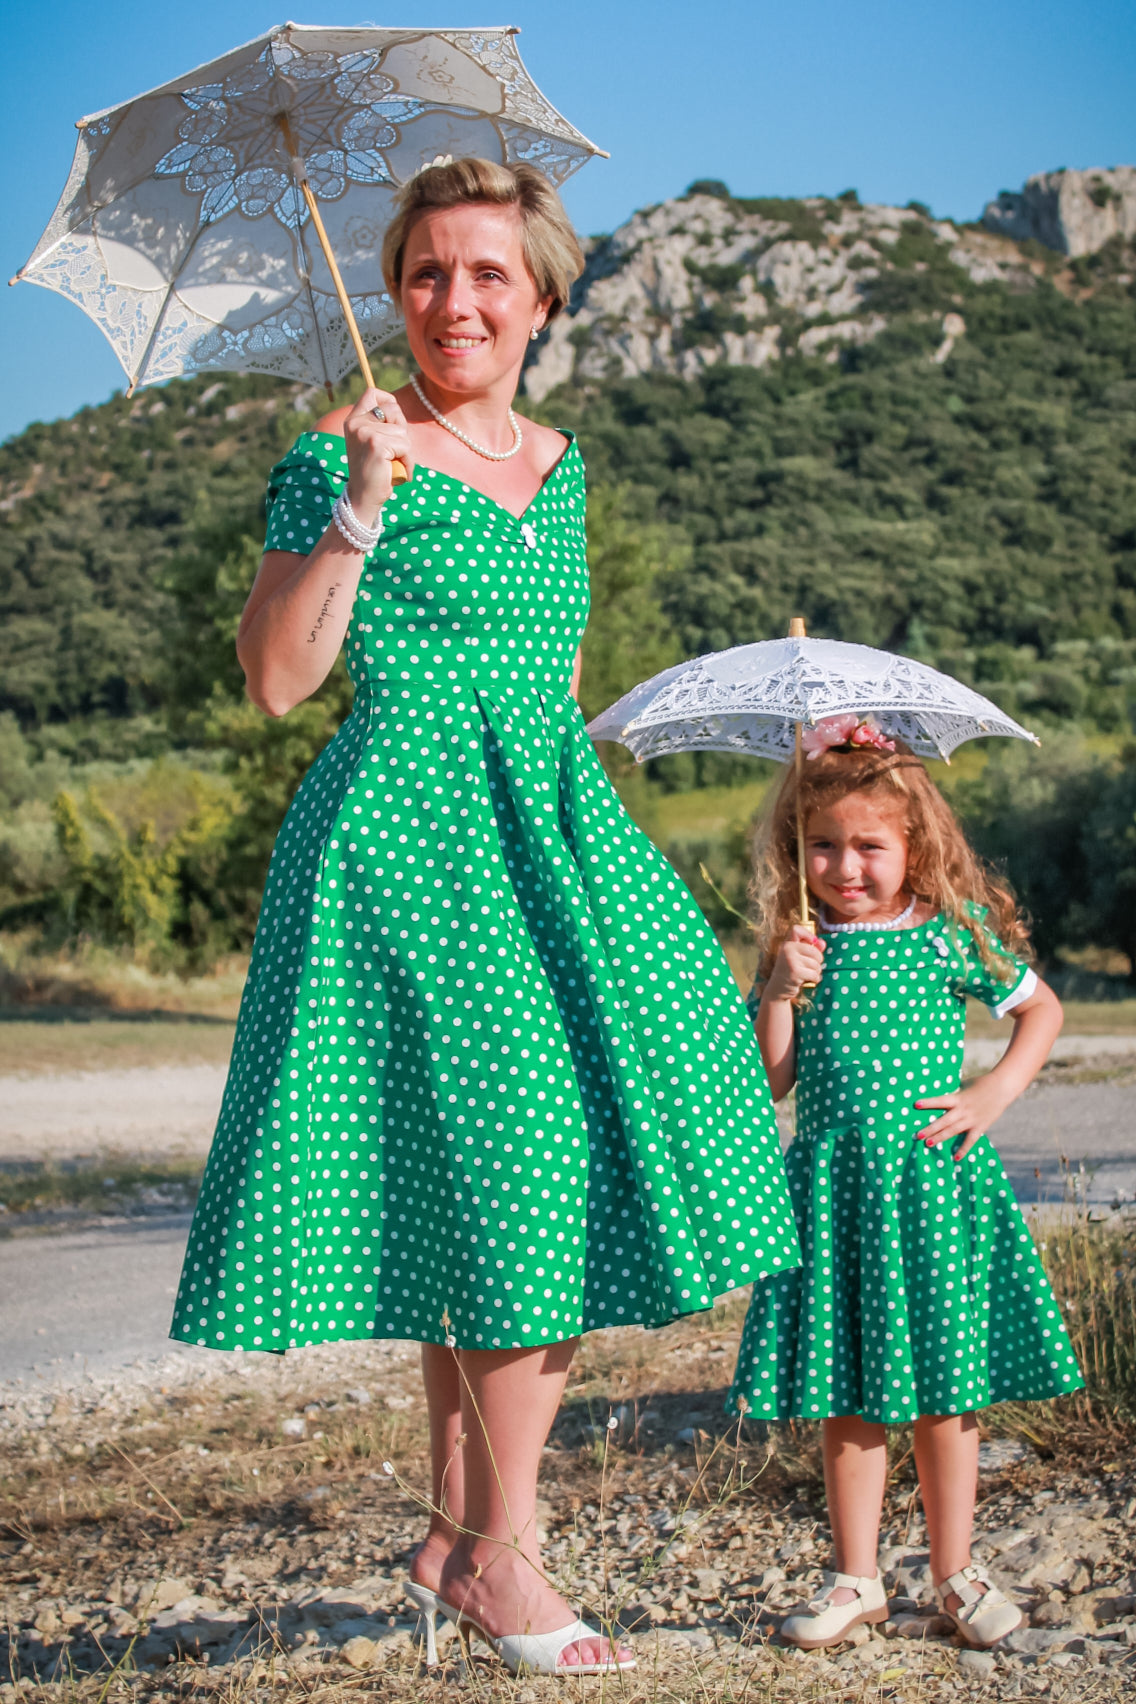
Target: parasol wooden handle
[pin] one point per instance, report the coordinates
(797, 631)
(399, 475)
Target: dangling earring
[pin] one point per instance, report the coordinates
(534, 333)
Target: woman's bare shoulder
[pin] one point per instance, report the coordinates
(332, 423)
(550, 443)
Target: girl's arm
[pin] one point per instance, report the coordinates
(574, 688)
(294, 622)
(971, 1111)
(800, 960)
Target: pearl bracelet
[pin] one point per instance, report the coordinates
(359, 536)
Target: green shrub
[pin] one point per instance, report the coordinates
(803, 224)
(723, 278)
(1061, 823)
(708, 325)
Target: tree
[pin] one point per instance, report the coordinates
(628, 637)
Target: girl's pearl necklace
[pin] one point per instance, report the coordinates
(478, 449)
(853, 928)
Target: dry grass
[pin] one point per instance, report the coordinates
(43, 1191)
(96, 979)
(1082, 1017)
(55, 1042)
(744, 1674)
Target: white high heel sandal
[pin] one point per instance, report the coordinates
(430, 1606)
(539, 1653)
(534, 1653)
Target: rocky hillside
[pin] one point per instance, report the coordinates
(712, 277)
(1074, 212)
(950, 473)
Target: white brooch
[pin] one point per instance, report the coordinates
(528, 534)
(940, 946)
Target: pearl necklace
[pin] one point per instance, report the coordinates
(478, 449)
(854, 928)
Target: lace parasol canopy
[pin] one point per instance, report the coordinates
(752, 698)
(182, 231)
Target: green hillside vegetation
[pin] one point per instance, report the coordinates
(980, 514)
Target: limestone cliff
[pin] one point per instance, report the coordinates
(711, 277)
(1074, 212)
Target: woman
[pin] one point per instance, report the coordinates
(492, 1085)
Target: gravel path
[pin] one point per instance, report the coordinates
(1091, 1124)
(85, 1304)
(166, 1109)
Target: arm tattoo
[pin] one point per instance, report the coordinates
(325, 611)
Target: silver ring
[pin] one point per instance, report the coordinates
(378, 414)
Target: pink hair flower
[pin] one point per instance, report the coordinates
(848, 730)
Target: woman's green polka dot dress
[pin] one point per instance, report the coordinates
(491, 1067)
(921, 1290)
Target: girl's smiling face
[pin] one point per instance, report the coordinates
(856, 859)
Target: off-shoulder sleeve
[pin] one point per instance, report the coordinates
(302, 489)
(1000, 993)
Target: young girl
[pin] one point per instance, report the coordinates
(921, 1296)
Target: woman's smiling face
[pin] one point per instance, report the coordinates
(467, 295)
(856, 858)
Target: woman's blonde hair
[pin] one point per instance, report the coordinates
(942, 869)
(552, 251)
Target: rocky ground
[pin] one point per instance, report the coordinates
(229, 1530)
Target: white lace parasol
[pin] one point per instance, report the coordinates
(751, 700)
(184, 230)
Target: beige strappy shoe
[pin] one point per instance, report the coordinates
(983, 1617)
(826, 1623)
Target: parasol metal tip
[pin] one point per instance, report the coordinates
(15, 278)
(797, 627)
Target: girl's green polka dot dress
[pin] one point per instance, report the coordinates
(921, 1290)
(491, 1066)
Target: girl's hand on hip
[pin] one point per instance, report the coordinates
(799, 963)
(372, 445)
(968, 1112)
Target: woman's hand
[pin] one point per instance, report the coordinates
(969, 1112)
(799, 963)
(372, 446)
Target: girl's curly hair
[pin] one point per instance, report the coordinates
(942, 869)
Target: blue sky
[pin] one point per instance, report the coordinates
(898, 100)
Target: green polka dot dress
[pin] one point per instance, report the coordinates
(921, 1290)
(491, 1067)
